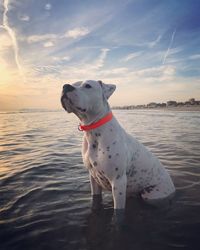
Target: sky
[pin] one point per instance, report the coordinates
(149, 48)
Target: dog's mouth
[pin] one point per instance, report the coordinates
(66, 103)
(70, 106)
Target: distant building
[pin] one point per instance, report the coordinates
(141, 106)
(180, 104)
(152, 105)
(161, 105)
(192, 101)
(171, 104)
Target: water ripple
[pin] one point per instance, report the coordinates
(45, 190)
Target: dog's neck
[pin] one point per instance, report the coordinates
(93, 118)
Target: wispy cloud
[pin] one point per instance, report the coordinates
(169, 47)
(99, 62)
(6, 42)
(73, 34)
(24, 18)
(77, 32)
(12, 35)
(194, 57)
(131, 56)
(48, 44)
(41, 38)
(98, 41)
(155, 42)
(61, 59)
(48, 6)
(160, 73)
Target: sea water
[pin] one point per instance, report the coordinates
(45, 192)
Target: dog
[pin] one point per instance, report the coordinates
(115, 160)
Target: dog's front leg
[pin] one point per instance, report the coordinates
(96, 192)
(119, 197)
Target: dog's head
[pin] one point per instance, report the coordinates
(86, 97)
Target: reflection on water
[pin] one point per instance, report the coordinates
(45, 192)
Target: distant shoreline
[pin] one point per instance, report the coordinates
(195, 108)
(183, 108)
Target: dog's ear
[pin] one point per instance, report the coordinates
(108, 89)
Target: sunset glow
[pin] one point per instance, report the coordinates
(149, 49)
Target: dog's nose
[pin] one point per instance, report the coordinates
(68, 88)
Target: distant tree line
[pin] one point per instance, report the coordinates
(190, 102)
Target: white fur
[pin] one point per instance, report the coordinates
(115, 160)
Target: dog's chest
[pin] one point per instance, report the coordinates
(99, 158)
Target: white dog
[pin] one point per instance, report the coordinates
(115, 160)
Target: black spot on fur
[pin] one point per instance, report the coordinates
(148, 189)
(94, 146)
(97, 134)
(95, 163)
(116, 169)
(114, 142)
(118, 177)
(110, 156)
(108, 148)
(120, 193)
(117, 154)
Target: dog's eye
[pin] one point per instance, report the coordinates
(88, 86)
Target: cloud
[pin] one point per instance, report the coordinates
(77, 32)
(41, 38)
(131, 56)
(24, 18)
(48, 6)
(12, 35)
(5, 74)
(194, 57)
(155, 42)
(61, 59)
(175, 51)
(169, 47)
(99, 62)
(48, 44)
(74, 34)
(160, 73)
(5, 42)
(118, 73)
(82, 70)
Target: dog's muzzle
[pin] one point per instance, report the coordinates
(66, 89)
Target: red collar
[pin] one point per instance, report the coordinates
(97, 124)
